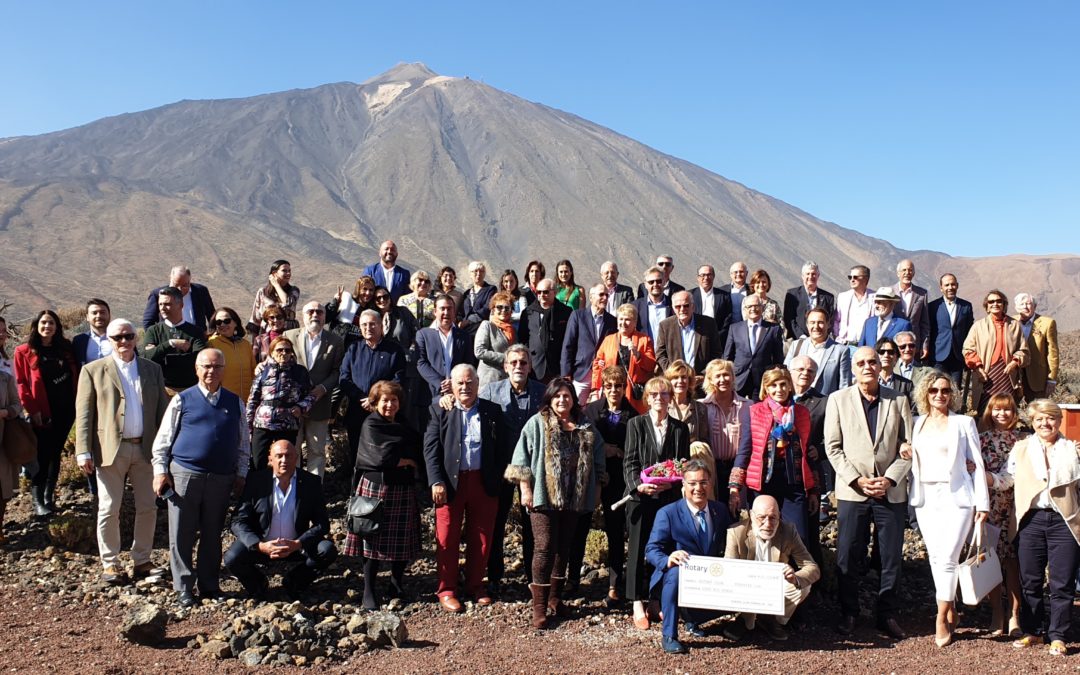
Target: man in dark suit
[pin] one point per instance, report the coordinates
(688, 336)
(913, 306)
(438, 349)
(801, 299)
(198, 305)
(694, 525)
(387, 273)
(950, 320)
(711, 301)
(94, 343)
(618, 294)
(655, 306)
(737, 289)
(542, 329)
(585, 331)
(465, 451)
(666, 264)
(753, 346)
(281, 516)
(803, 374)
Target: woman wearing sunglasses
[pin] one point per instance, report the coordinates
(280, 396)
(493, 337)
(995, 350)
(228, 336)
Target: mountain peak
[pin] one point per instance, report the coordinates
(404, 72)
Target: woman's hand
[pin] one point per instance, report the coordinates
(989, 479)
(980, 517)
(527, 497)
(734, 502)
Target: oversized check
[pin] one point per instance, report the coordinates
(732, 585)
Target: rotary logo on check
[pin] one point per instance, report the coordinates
(716, 570)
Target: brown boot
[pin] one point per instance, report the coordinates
(554, 603)
(539, 604)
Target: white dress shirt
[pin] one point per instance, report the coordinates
(189, 309)
(659, 430)
(133, 403)
(311, 347)
(283, 519)
(708, 303)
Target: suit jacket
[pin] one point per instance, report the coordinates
(641, 450)
(967, 489)
(736, 307)
(475, 310)
(203, 309)
(749, 367)
(100, 406)
(499, 394)
(489, 347)
(326, 370)
(400, 284)
(901, 385)
(254, 511)
(898, 324)
(947, 338)
(581, 342)
(442, 447)
(79, 344)
(672, 289)
(918, 314)
(430, 362)
(814, 401)
(622, 295)
(853, 451)
(784, 547)
(642, 307)
(1042, 347)
(543, 336)
(722, 313)
(834, 372)
(675, 530)
(797, 304)
(669, 343)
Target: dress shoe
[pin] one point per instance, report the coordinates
(673, 646)
(891, 628)
(143, 570)
(614, 598)
(694, 629)
(483, 599)
(846, 626)
(114, 576)
(735, 630)
(773, 628)
(641, 622)
(185, 599)
(450, 604)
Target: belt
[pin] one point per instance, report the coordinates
(136, 440)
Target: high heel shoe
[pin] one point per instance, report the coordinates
(997, 628)
(942, 642)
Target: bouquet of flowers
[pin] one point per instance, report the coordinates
(668, 471)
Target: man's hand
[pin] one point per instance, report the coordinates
(872, 487)
(162, 481)
(733, 503)
(446, 402)
(318, 392)
(35, 419)
(789, 575)
(180, 345)
(677, 558)
(279, 548)
(444, 386)
(438, 494)
(1010, 366)
(812, 453)
(87, 465)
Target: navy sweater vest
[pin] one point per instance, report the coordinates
(208, 437)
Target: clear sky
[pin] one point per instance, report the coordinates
(944, 125)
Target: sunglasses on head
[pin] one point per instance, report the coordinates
(122, 337)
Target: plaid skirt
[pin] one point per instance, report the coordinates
(399, 536)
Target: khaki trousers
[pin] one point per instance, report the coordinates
(129, 464)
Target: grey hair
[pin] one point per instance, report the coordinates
(517, 349)
(117, 323)
(373, 313)
(809, 265)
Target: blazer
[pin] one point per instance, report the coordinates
(854, 452)
(490, 347)
(784, 547)
(814, 401)
(100, 406)
(722, 313)
(581, 342)
(675, 530)
(1062, 477)
(399, 285)
(918, 314)
(639, 370)
(902, 386)
(1042, 347)
(834, 371)
(442, 447)
(980, 343)
(254, 511)
(669, 343)
(430, 362)
(671, 289)
(898, 324)
(797, 304)
(79, 344)
(749, 367)
(499, 394)
(736, 307)
(641, 450)
(642, 307)
(621, 295)
(325, 371)
(203, 306)
(477, 310)
(946, 338)
(968, 489)
(543, 337)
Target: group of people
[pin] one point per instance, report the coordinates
(559, 397)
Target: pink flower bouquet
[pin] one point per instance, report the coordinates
(668, 471)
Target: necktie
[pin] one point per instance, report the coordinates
(703, 531)
(702, 525)
(753, 338)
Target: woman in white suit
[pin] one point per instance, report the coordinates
(493, 337)
(945, 495)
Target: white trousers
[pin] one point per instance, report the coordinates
(131, 465)
(944, 527)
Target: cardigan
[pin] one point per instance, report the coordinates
(536, 461)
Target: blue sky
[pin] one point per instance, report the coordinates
(949, 126)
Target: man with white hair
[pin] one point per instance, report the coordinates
(913, 305)
(585, 331)
(767, 538)
(198, 305)
(120, 403)
(1039, 377)
(737, 289)
(321, 352)
(617, 294)
(801, 299)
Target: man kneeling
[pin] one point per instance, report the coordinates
(281, 516)
(695, 525)
(766, 538)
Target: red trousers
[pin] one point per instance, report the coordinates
(477, 509)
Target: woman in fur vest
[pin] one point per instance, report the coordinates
(559, 464)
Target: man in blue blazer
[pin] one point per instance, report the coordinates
(438, 350)
(950, 320)
(198, 305)
(386, 270)
(885, 323)
(585, 331)
(751, 361)
(694, 525)
(94, 343)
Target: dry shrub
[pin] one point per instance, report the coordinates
(73, 532)
(71, 318)
(596, 551)
(70, 473)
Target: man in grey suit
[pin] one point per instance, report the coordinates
(688, 336)
(832, 360)
(913, 306)
(867, 426)
(617, 294)
(120, 402)
(320, 351)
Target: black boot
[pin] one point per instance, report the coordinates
(50, 497)
(37, 495)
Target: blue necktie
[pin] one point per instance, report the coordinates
(703, 531)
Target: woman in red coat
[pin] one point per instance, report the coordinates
(629, 348)
(46, 375)
(772, 458)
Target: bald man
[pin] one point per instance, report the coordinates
(387, 273)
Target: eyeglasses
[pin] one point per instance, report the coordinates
(543, 291)
(663, 263)
(707, 275)
(906, 348)
(939, 390)
(886, 351)
(683, 306)
(654, 281)
(503, 308)
(223, 322)
(423, 282)
(995, 301)
(122, 337)
(275, 317)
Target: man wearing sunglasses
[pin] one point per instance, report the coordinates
(655, 306)
(665, 264)
(119, 405)
(908, 346)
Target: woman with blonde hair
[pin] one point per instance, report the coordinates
(228, 337)
(630, 348)
(683, 407)
(421, 302)
(728, 416)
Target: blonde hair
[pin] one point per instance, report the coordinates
(922, 392)
(775, 374)
(711, 369)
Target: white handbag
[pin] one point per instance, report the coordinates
(980, 573)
